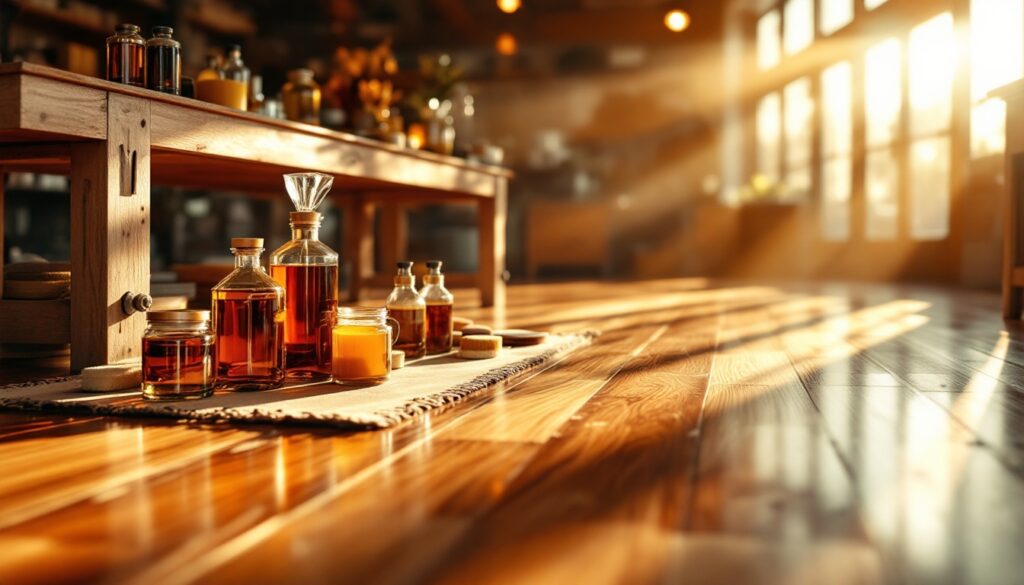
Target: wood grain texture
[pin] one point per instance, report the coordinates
(492, 216)
(35, 321)
(110, 235)
(717, 432)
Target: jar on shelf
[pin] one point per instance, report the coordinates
(248, 321)
(126, 56)
(301, 96)
(361, 346)
(177, 355)
(163, 61)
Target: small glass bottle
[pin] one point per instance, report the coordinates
(361, 348)
(177, 355)
(234, 82)
(439, 309)
(212, 69)
(163, 61)
(301, 96)
(126, 56)
(308, 271)
(248, 321)
(407, 308)
(256, 97)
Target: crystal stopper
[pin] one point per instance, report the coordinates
(307, 190)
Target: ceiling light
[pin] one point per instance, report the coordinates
(509, 6)
(677, 20)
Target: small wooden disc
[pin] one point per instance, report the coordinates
(477, 330)
(36, 289)
(458, 323)
(520, 337)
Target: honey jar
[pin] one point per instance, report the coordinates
(361, 346)
(177, 355)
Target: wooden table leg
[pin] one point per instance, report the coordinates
(394, 235)
(492, 213)
(358, 247)
(110, 235)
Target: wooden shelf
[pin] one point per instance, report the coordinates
(62, 19)
(35, 321)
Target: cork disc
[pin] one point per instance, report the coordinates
(520, 337)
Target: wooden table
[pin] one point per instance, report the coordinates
(716, 433)
(114, 141)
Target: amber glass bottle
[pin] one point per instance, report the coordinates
(301, 97)
(439, 309)
(405, 306)
(308, 271)
(126, 56)
(248, 320)
(163, 61)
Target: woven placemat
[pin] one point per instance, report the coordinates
(421, 386)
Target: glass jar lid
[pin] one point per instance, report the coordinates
(375, 314)
(179, 316)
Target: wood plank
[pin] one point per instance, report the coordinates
(57, 108)
(357, 249)
(110, 235)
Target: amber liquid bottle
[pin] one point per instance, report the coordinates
(248, 320)
(439, 309)
(406, 307)
(308, 271)
(126, 56)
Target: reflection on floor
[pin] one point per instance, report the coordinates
(715, 433)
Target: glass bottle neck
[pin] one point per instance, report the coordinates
(305, 232)
(247, 260)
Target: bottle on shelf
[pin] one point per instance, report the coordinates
(439, 303)
(212, 69)
(407, 308)
(126, 56)
(163, 61)
(248, 320)
(301, 96)
(256, 97)
(307, 269)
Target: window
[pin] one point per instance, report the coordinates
(997, 58)
(769, 32)
(836, 150)
(835, 14)
(930, 58)
(798, 27)
(797, 126)
(769, 135)
(882, 104)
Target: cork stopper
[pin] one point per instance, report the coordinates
(305, 218)
(246, 242)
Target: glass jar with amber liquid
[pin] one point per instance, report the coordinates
(248, 321)
(308, 270)
(126, 56)
(301, 97)
(407, 308)
(438, 310)
(361, 346)
(177, 355)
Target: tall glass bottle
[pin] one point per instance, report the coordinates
(439, 309)
(248, 321)
(308, 271)
(126, 56)
(163, 61)
(405, 306)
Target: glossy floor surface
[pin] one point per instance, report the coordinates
(715, 433)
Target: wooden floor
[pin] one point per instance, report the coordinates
(715, 433)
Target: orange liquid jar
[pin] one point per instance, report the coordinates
(308, 271)
(361, 346)
(248, 320)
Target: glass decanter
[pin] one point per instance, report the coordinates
(248, 321)
(405, 306)
(308, 271)
(439, 309)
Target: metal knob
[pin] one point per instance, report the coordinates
(132, 302)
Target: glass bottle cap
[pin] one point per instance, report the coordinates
(163, 30)
(184, 316)
(403, 264)
(127, 28)
(434, 264)
(307, 190)
(246, 242)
